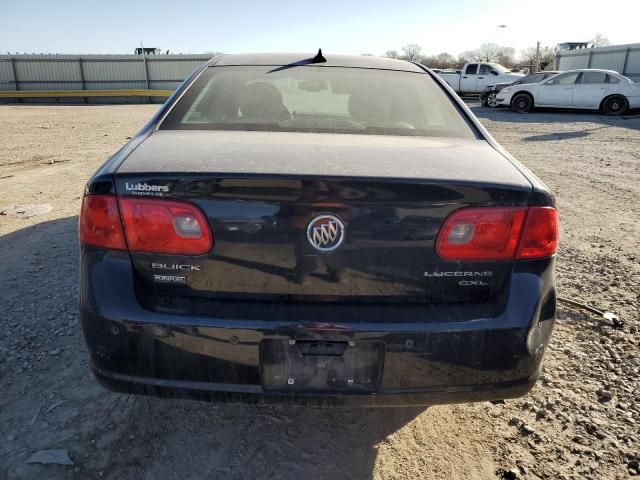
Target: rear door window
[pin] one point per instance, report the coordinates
(593, 78)
(472, 69)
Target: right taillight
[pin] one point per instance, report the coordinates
(498, 233)
(540, 235)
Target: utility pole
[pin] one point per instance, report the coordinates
(146, 70)
(537, 57)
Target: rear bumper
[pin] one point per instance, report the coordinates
(424, 362)
(254, 394)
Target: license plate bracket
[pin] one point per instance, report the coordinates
(317, 366)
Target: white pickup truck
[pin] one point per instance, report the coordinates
(475, 77)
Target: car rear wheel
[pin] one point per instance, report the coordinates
(522, 103)
(491, 100)
(615, 105)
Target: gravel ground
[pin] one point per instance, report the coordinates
(580, 421)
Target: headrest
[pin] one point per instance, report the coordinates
(367, 108)
(261, 101)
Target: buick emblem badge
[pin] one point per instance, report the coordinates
(325, 233)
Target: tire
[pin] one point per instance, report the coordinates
(615, 105)
(522, 103)
(491, 100)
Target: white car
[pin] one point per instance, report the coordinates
(591, 89)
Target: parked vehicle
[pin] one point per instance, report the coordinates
(475, 77)
(326, 230)
(593, 89)
(488, 97)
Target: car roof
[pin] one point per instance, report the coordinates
(283, 59)
(602, 70)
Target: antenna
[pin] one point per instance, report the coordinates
(319, 58)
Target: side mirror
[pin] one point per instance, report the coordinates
(493, 72)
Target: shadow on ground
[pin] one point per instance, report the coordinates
(238, 441)
(545, 137)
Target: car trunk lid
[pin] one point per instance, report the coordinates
(261, 191)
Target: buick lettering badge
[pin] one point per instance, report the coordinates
(325, 233)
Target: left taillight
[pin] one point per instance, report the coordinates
(144, 225)
(165, 226)
(99, 223)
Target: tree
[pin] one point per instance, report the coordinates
(506, 57)
(466, 57)
(547, 55)
(600, 40)
(489, 52)
(445, 60)
(492, 52)
(429, 61)
(392, 54)
(528, 56)
(442, 60)
(411, 52)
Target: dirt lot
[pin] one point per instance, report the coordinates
(580, 421)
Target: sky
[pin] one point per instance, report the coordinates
(338, 26)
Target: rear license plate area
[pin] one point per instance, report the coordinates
(317, 366)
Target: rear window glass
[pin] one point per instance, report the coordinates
(538, 77)
(472, 69)
(593, 77)
(318, 99)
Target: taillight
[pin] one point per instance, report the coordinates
(165, 226)
(99, 223)
(540, 235)
(499, 233)
(481, 234)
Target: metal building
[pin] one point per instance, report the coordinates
(624, 59)
(94, 72)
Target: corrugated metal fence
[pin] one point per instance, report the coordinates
(94, 72)
(624, 59)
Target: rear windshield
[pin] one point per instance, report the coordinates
(318, 99)
(535, 78)
(499, 68)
